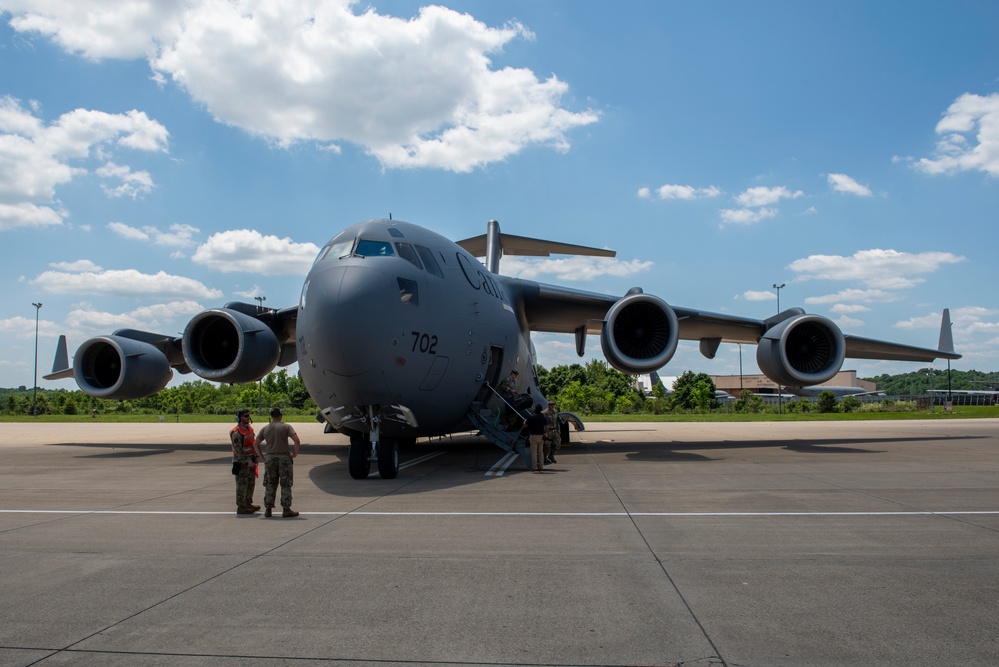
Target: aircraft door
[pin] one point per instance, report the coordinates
(494, 373)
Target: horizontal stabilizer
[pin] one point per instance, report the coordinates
(529, 247)
(494, 244)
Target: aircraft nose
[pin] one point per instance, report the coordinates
(346, 319)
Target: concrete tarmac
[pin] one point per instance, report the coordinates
(749, 544)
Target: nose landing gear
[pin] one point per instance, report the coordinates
(372, 447)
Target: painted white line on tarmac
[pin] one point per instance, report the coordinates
(413, 462)
(679, 515)
(502, 465)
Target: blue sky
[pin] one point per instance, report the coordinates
(161, 158)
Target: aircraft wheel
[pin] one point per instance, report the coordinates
(388, 458)
(357, 458)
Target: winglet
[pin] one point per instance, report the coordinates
(60, 365)
(946, 343)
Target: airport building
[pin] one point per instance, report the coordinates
(761, 384)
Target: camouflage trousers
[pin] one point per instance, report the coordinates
(552, 445)
(245, 483)
(278, 468)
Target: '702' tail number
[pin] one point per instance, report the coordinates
(426, 343)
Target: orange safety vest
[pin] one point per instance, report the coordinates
(248, 438)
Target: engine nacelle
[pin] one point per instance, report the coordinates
(226, 345)
(640, 334)
(120, 368)
(801, 351)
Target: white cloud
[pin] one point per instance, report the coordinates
(745, 216)
(127, 282)
(686, 192)
(149, 317)
(133, 183)
(855, 295)
(759, 295)
(967, 321)
(763, 196)
(178, 236)
(572, 268)
(969, 132)
(35, 159)
(844, 308)
(845, 184)
(79, 266)
(845, 322)
(414, 92)
(886, 269)
(252, 252)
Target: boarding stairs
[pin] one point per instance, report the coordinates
(492, 426)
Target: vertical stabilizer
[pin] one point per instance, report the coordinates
(61, 361)
(946, 343)
(60, 365)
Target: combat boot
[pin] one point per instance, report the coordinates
(245, 510)
(255, 508)
(268, 512)
(288, 512)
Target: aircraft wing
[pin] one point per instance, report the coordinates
(557, 309)
(868, 348)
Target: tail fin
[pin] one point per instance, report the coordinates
(60, 365)
(946, 343)
(494, 244)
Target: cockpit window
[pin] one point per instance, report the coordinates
(368, 248)
(428, 261)
(336, 249)
(407, 253)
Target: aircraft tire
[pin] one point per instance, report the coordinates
(388, 458)
(357, 458)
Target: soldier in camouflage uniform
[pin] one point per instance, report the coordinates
(244, 462)
(508, 389)
(278, 466)
(553, 433)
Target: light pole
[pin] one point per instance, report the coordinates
(34, 398)
(780, 390)
(260, 382)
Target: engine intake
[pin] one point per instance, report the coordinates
(226, 345)
(640, 334)
(801, 351)
(120, 368)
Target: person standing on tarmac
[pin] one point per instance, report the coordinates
(278, 463)
(244, 462)
(553, 433)
(535, 424)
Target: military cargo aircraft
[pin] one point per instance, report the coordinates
(401, 333)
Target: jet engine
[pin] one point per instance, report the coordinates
(120, 368)
(640, 333)
(225, 345)
(801, 351)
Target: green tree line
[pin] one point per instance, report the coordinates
(195, 397)
(593, 388)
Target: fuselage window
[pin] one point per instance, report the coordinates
(428, 261)
(407, 253)
(409, 292)
(368, 248)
